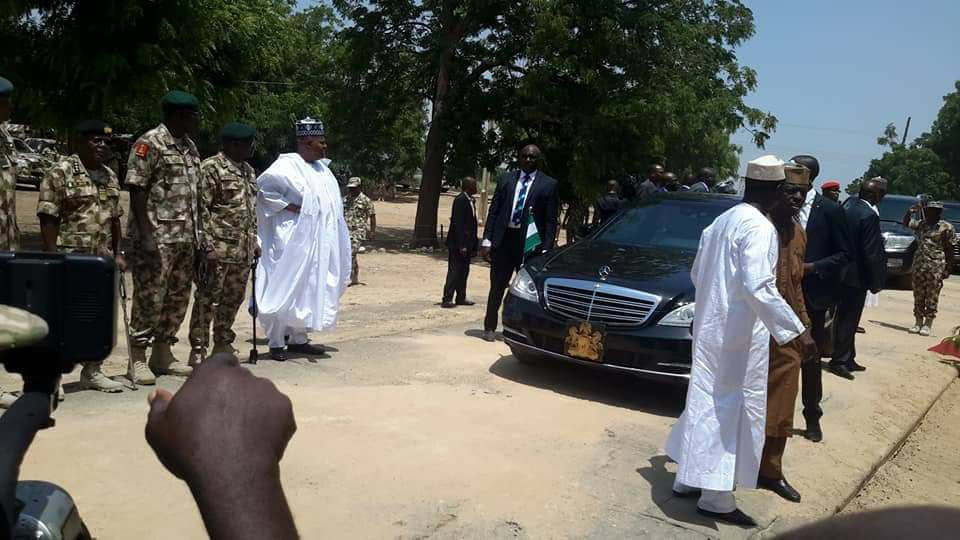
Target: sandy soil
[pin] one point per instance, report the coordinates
(414, 428)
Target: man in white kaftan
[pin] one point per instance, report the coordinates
(305, 266)
(718, 441)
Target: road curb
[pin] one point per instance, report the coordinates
(895, 449)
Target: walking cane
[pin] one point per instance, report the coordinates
(253, 309)
(130, 384)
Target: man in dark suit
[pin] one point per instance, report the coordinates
(828, 252)
(518, 195)
(461, 244)
(866, 271)
(608, 205)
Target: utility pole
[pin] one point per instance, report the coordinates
(906, 130)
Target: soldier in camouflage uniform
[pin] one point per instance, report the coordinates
(358, 211)
(228, 194)
(79, 211)
(163, 174)
(9, 234)
(931, 263)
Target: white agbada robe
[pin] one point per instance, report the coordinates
(305, 266)
(718, 440)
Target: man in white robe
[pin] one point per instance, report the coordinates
(718, 441)
(305, 266)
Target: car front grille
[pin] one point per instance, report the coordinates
(598, 302)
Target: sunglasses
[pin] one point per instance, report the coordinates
(792, 189)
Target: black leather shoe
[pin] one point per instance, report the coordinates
(307, 348)
(853, 366)
(841, 371)
(447, 305)
(489, 335)
(780, 487)
(813, 433)
(466, 303)
(734, 518)
(278, 354)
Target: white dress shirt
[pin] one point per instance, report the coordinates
(804, 215)
(516, 196)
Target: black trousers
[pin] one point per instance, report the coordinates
(849, 311)
(504, 261)
(458, 269)
(811, 372)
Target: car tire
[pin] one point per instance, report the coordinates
(524, 357)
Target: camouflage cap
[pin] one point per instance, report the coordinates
(6, 87)
(19, 328)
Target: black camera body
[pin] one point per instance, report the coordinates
(75, 295)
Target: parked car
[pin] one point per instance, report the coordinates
(624, 290)
(951, 213)
(31, 166)
(899, 241)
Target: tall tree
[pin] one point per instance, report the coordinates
(911, 169)
(944, 137)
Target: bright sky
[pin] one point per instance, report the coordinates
(837, 72)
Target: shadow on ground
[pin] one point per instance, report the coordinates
(583, 382)
(661, 493)
(903, 329)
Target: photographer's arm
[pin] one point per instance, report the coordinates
(223, 405)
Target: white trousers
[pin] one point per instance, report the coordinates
(276, 334)
(720, 502)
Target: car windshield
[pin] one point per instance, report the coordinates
(894, 209)
(675, 224)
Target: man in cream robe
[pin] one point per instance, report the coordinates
(718, 440)
(305, 266)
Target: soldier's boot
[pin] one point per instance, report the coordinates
(915, 329)
(93, 378)
(162, 362)
(6, 399)
(225, 348)
(197, 356)
(925, 329)
(141, 374)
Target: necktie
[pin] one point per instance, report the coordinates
(521, 200)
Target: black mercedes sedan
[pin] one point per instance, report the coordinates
(622, 297)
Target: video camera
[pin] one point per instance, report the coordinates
(76, 296)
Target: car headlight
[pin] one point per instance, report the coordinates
(524, 287)
(897, 243)
(681, 316)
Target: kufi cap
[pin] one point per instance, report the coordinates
(234, 131)
(6, 87)
(180, 100)
(353, 182)
(767, 168)
(796, 174)
(934, 204)
(308, 127)
(19, 328)
(830, 185)
(809, 162)
(93, 127)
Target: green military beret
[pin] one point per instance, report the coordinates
(93, 127)
(236, 131)
(6, 87)
(180, 100)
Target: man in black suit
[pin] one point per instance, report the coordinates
(461, 244)
(866, 271)
(518, 195)
(608, 205)
(828, 252)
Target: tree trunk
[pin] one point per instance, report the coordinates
(425, 226)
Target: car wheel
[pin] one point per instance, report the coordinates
(524, 357)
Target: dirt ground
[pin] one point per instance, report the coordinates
(413, 428)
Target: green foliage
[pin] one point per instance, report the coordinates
(911, 169)
(944, 137)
